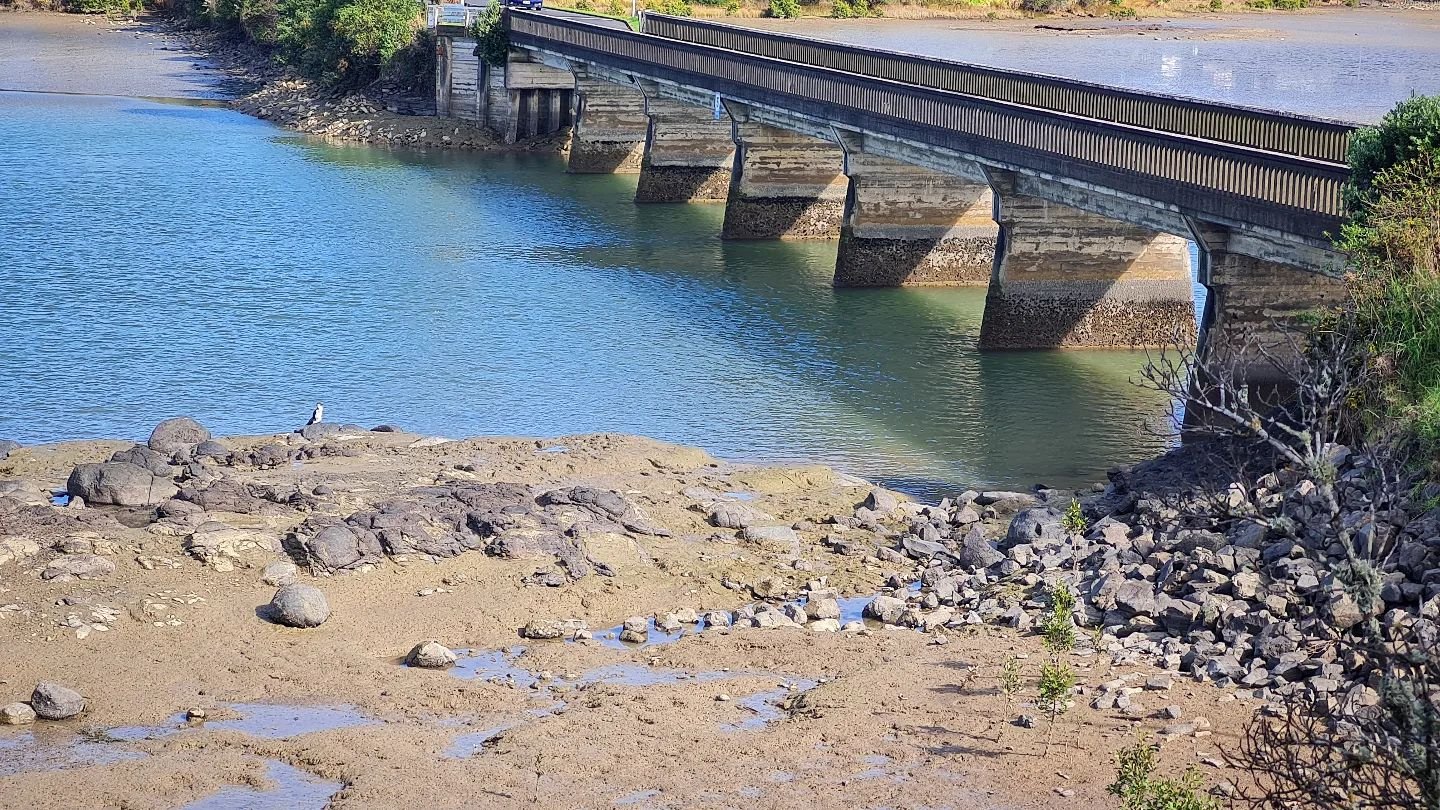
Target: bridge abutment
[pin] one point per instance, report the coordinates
(1066, 278)
(688, 153)
(905, 225)
(610, 127)
(785, 185)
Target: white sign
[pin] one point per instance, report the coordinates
(452, 14)
(719, 108)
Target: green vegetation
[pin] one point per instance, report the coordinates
(1074, 520)
(1140, 789)
(1393, 242)
(1058, 624)
(675, 8)
(492, 39)
(345, 43)
(106, 6)
(784, 9)
(1282, 5)
(852, 9)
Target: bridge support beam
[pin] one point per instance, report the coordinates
(785, 185)
(610, 126)
(1252, 301)
(909, 226)
(688, 154)
(1067, 278)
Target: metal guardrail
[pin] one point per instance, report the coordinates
(1262, 129)
(1285, 192)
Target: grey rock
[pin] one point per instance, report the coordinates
(78, 566)
(297, 605)
(119, 484)
(339, 547)
(8, 446)
(430, 655)
(887, 609)
(635, 630)
(211, 449)
(1137, 597)
(976, 552)
(52, 701)
(142, 456)
(16, 714)
(606, 505)
(736, 515)
(278, 573)
(1034, 524)
(880, 501)
(179, 433)
(822, 608)
(775, 538)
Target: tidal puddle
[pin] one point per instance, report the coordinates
(31, 751)
(473, 742)
(294, 790)
(765, 707)
(266, 721)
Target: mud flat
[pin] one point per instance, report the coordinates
(155, 610)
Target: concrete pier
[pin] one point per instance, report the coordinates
(524, 99)
(610, 127)
(785, 185)
(905, 225)
(1253, 300)
(688, 153)
(1068, 278)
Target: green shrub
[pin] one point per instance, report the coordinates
(1044, 6)
(1123, 13)
(784, 9)
(492, 39)
(1140, 789)
(850, 9)
(371, 32)
(584, 5)
(732, 7)
(1410, 130)
(1291, 5)
(1058, 624)
(616, 8)
(106, 6)
(675, 8)
(1216, 5)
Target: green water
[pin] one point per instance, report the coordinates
(162, 259)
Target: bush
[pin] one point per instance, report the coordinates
(732, 7)
(1410, 130)
(784, 9)
(492, 39)
(372, 31)
(850, 9)
(1044, 6)
(675, 8)
(617, 9)
(1139, 789)
(106, 6)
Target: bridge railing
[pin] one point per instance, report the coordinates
(451, 14)
(1262, 129)
(1293, 194)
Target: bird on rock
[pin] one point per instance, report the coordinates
(318, 415)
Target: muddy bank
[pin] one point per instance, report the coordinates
(524, 557)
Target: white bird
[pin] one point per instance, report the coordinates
(318, 415)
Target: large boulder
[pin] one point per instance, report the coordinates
(735, 515)
(298, 605)
(78, 566)
(887, 609)
(337, 547)
(1034, 524)
(605, 505)
(142, 456)
(117, 483)
(51, 701)
(179, 433)
(975, 552)
(7, 447)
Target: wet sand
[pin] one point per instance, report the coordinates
(70, 53)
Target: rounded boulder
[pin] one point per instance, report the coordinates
(179, 433)
(298, 605)
(430, 655)
(52, 701)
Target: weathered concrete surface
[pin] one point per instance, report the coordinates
(688, 154)
(908, 226)
(525, 98)
(1068, 278)
(457, 79)
(1252, 303)
(610, 127)
(785, 186)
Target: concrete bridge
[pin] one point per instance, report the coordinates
(1074, 203)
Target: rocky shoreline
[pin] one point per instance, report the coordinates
(612, 545)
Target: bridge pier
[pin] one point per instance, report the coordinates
(905, 225)
(688, 153)
(785, 185)
(525, 99)
(610, 127)
(1066, 278)
(1253, 298)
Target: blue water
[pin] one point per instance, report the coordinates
(160, 259)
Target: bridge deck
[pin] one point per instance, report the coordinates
(1198, 176)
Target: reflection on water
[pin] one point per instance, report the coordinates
(1351, 64)
(207, 264)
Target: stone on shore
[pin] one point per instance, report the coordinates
(976, 552)
(430, 655)
(78, 566)
(298, 605)
(176, 434)
(52, 701)
(887, 609)
(8, 446)
(16, 714)
(635, 630)
(733, 515)
(782, 539)
(119, 484)
(278, 573)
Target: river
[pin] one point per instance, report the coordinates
(164, 258)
